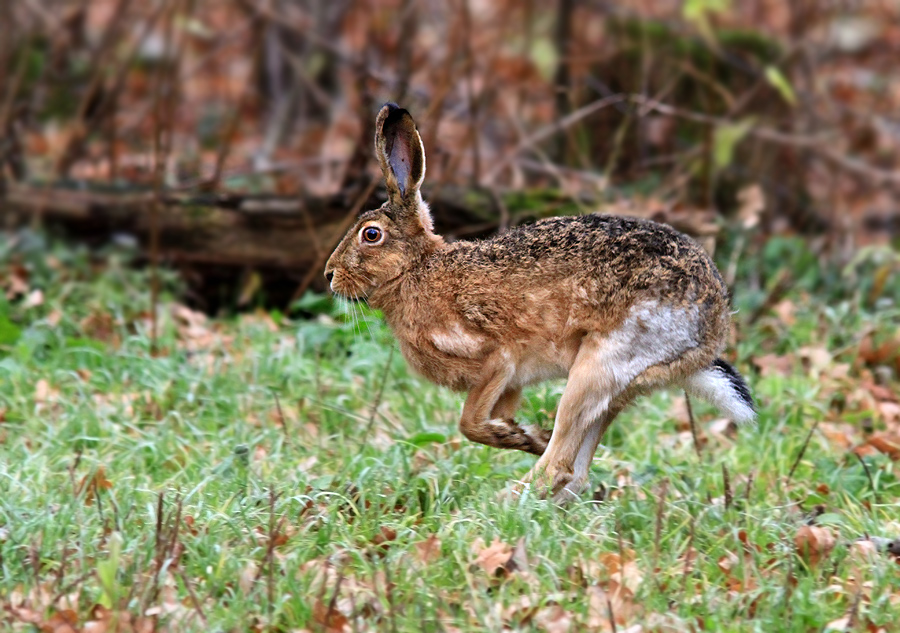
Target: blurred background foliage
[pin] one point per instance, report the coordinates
(167, 118)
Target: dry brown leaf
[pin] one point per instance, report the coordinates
(429, 550)
(841, 624)
(785, 310)
(384, 538)
(885, 442)
(679, 412)
(723, 429)
(16, 282)
(44, 393)
(553, 619)
(92, 484)
(100, 326)
(888, 411)
(815, 359)
(329, 618)
(841, 435)
(494, 559)
(774, 365)
(814, 543)
(751, 204)
(103, 620)
(64, 621)
(616, 597)
(728, 562)
(34, 299)
(881, 393)
(247, 578)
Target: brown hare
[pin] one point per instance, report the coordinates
(619, 306)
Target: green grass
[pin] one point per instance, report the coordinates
(258, 425)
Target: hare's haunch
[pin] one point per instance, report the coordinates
(619, 306)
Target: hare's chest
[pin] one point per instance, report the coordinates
(446, 354)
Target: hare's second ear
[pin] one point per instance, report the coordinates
(400, 151)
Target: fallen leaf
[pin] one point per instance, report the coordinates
(247, 577)
(841, 624)
(889, 412)
(885, 442)
(815, 359)
(384, 537)
(751, 204)
(840, 435)
(553, 619)
(93, 484)
(328, 617)
(814, 543)
(495, 559)
(774, 365)
(615, 598)
(64, 621)
(34, 299)
(785, 310)
(429, 549)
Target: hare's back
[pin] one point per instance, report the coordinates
(622, 253)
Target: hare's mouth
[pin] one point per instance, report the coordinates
(348, 288)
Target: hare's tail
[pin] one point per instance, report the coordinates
(722, 385)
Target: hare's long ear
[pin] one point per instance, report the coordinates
(402, 157)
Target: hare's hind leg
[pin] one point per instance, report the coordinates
(488, 414)
(647, 350)
(587, 408)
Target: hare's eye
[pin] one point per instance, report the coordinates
(371, 234)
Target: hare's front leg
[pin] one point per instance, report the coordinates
(487, 416)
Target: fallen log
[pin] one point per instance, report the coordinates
(218, 239)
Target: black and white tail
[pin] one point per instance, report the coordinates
(721, 384)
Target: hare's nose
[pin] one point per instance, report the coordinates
(329, 276)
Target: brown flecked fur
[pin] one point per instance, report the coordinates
(574, 297)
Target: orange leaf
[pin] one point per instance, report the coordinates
(495, 559)
(884, 442)
(328, 617)
(814, 543)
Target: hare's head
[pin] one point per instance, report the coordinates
(387, 241)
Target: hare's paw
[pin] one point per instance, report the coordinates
(538, 438)
(570, 492)
(508, 434)
(549, 480)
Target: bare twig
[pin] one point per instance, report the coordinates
(660, 511)
(693, 423)
(726, 486)
(802, 451)
(868, 475)
(284, 425)
(192, 594)
(750, 480)
(551, 129)
(610, 615)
